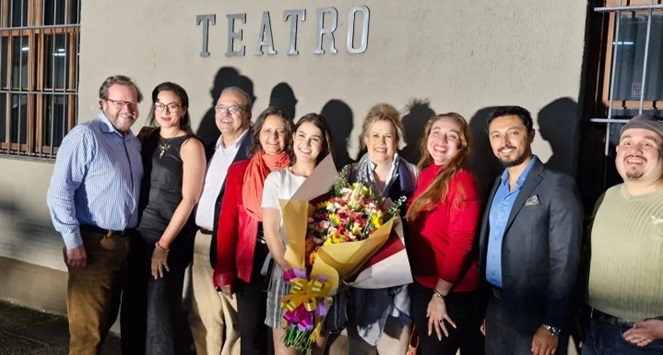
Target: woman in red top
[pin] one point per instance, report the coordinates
(443, 214)
(241, 249)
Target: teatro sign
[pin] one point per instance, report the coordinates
(326, 26)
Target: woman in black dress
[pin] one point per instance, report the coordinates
(174, 164)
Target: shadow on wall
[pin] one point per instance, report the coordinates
(27, 235)
(32, 269)
(483, 162)
(558, 124)
(418, 111)
(283, 96)
(225, 77)
(340, 118)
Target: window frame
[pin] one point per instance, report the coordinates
(603, 117)
(607, 103)
(35, 134)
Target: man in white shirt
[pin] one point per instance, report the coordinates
(213, 318)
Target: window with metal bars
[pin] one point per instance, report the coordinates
(624, 77)
(39, 42)
(633, 58)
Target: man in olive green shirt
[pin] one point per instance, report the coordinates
(625, 290)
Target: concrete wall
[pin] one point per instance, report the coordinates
(463, 56)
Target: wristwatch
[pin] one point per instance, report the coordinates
(553, 330)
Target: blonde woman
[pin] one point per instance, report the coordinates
(379, 319)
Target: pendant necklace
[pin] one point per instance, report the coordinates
(163, 147)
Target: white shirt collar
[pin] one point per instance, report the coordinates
(236, 144)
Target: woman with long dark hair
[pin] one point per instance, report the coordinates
(174, 164)
(443, 215)
(311, 143)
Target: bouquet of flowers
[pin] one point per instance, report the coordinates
(330, 237)
(351, 213)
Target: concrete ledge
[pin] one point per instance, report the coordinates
(33, 286)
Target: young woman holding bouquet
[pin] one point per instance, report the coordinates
(372, 311)
(241, 246)
(443, 215)
(311, 142)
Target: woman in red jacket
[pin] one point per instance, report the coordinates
(443, 215)
(241, 261)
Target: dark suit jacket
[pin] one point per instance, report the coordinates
(540, 250)
(242, 154)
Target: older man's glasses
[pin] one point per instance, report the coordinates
(172, 107)
(120, 104)
(232, 109)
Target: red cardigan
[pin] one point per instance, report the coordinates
(441, 240)
(237, 232)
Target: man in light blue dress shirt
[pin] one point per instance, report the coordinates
(529, 244)
(93, 200)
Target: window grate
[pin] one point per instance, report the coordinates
(635, 49)
(39, 51)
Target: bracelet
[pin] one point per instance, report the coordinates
(158, 245)
(437, 294)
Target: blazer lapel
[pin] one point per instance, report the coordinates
(243, 152)
(531, 182)
(483, 236)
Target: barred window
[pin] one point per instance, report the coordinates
(624, 78)
(39, 42)
(633, 68)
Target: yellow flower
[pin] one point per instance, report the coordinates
(333, 218)
(335, 237)
(376, 221)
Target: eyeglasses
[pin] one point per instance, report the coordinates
(119, 104)
(233, 109)
(172, 107)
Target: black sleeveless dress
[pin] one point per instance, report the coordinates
(161, 193)
(152, 313)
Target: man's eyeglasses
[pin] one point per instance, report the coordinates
(233, 109)
(172, 107)
(119, 104)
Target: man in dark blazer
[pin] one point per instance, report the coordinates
(529, 244)
(213, 319)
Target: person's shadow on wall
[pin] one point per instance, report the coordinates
(418, 111)
(482, 160)
(558, 125)
(283, 96)
(340, 118)
(207, 131)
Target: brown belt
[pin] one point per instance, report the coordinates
(107, 232)
(205, 231)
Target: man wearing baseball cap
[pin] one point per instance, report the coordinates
(625, 290)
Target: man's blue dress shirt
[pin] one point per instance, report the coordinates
(96, 180)
(500, 209)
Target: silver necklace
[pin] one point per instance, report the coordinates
(163, 147)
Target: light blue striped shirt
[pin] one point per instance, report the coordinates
(96, 180)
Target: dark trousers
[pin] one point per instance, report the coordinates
(152, 318)
(503, 338)
(608, 339)
(462, 309)
(256, 337)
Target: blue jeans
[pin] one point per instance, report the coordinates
(607, 339)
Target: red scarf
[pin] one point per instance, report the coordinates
(260, 166)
